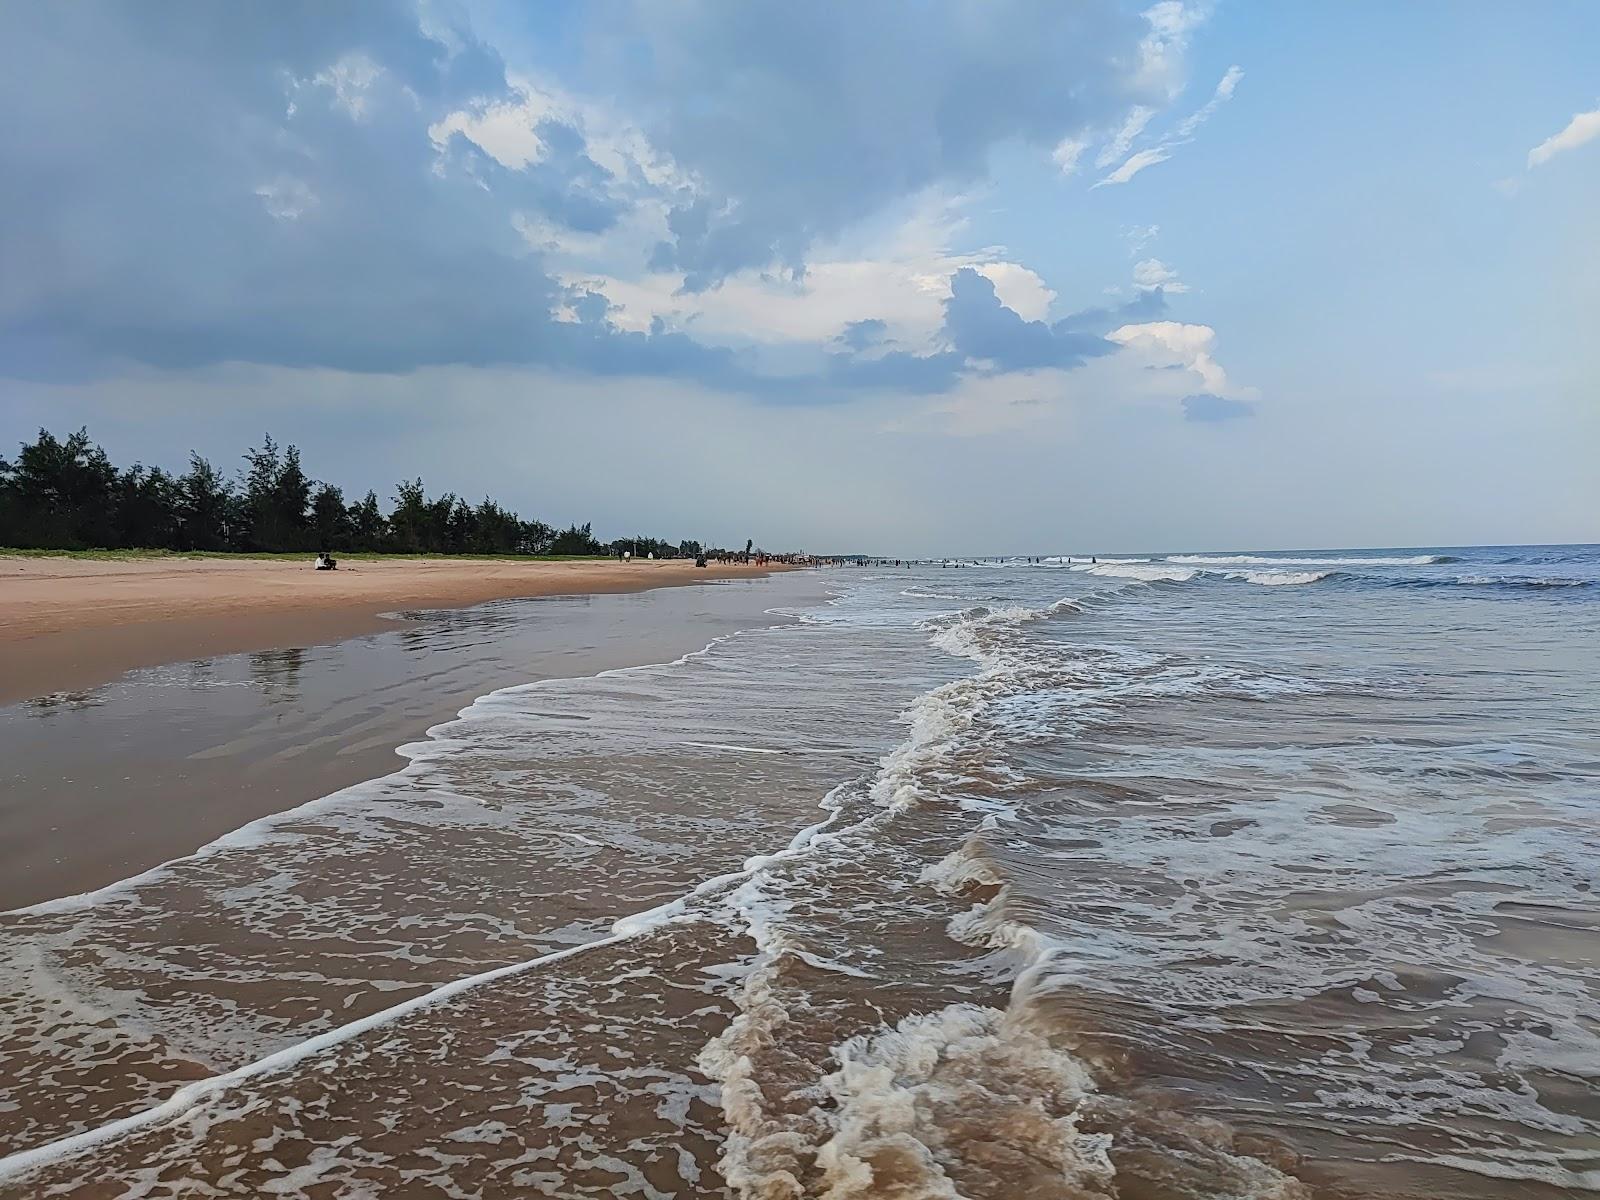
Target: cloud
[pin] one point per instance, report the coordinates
(370, 191)
(1132, 126)
(1133, 165)
(1584, 127)
(1140, 236)
(1162, 49)
(1068, 152)
(1181, 135)
(792, 133)
(1203, 406)
(983, 336)
(1174, 344)
(1153, 273)
(366, 191)
(1219, 97)
(295, 195)
(899, 276)
(862, 335)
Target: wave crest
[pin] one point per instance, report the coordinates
(1262, 560)
(1281, 578)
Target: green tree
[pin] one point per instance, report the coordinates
(147, 509)
(64, 494)
(330, 521)
(369, 529)
(460, 528)
(206, 507)
(576, 539)
(276, 499)
(408, 523)
(535, 538)
(291, 503)
(257, 490)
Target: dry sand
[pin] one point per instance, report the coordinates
(69, 624)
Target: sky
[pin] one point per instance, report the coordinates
(937, 278)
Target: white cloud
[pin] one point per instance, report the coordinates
(1222, 94)
(1134, 164)
(1134, 124)
(1584, 127)
(502, 131)
(351, 79)
(1153, 273)
(1140, 236)
(1164, 344)
(1018, 288)
(286, 198)
(902, 279)
(1068, 152)
(1162, 49)
(1161, 363)
(1181, 135)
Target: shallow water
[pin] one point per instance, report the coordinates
(1181, 877)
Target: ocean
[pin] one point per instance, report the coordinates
(1194, 875)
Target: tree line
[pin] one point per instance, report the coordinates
(66, 494)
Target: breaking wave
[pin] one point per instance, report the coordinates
(1241, 560)
(1523, 581)
(1281, 578)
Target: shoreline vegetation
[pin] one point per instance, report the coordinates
(114, 568)
(143, 554)
(66, 495)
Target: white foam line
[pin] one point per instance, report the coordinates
(246, 833)
(623, 929)
(191, 1094)
(794, 750)
(735, 749)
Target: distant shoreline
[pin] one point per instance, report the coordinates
(69, 622)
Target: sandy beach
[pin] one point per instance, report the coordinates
(106, 781)
(68, 624)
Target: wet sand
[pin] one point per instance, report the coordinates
(101, 783)
(70, 624)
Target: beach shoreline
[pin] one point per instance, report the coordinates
(70, 624)
(103, 783)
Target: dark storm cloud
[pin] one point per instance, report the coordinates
(980, 333)
(183, 184)
(979, 326)
(804, 118)
(187, 183)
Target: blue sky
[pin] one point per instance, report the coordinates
(946, 277)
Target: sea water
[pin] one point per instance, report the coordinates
(1188, 875)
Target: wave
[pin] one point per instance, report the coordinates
(1151, 573)
(192, 1096)
(1281, 578)
(957, 1098)
(1242, 560)
(1521, 581)
(1160, 573)
(1074, 560)
(1500, 584)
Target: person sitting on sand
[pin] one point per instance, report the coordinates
(326, 562)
